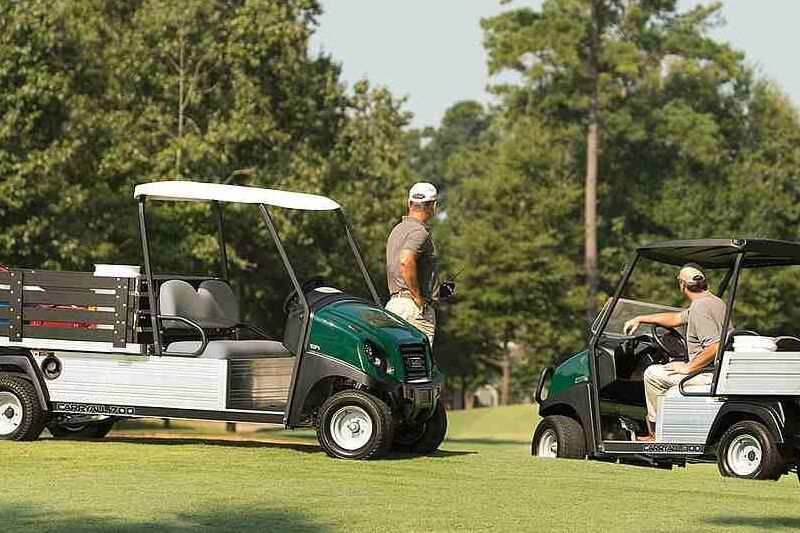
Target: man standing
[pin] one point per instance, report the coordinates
(704, 319)
(411, 262)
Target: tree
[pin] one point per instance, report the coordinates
(605, 60)
(512, 226)
(95, 98)
(685, 131)
(430, 149)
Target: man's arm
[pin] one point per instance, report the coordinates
(408, 269)
(669, 320)
(703, 359)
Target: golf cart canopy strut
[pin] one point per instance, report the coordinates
(722, 253)
(193, 191)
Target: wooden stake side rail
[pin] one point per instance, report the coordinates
(71, 306)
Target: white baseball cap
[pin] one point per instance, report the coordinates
(691, 274)
(422, 192)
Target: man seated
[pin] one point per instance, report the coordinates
(704, 321)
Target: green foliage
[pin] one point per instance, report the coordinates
(692, 145)
(96, 97)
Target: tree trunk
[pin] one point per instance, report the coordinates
(591, 216)
(181, 104)
(505, 382)
(592, 148)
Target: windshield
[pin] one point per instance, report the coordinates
(652, 288)
(319, 251)
(627, 309)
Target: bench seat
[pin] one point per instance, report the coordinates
(231, 349)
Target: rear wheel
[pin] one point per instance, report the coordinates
(747, 450)
(21, 415)
(89, 431)
(558, 436)
(355, 425)
(423, 438)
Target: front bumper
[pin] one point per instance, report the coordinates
(421, 397)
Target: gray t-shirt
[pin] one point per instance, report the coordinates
(411, 234)
(704, 319)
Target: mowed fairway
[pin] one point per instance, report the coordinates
(484, 479)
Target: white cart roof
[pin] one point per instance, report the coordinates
(197, 191)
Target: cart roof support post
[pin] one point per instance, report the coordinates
(594, 410)
(723, 339)
(301, 295)
(359, 257)
(223, 252)
(155, 323)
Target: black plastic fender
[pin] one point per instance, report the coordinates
(26, 365)
(315, 367)
(575, 402)
(769, 413)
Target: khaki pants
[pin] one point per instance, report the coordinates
(658, 380)
(424, 320)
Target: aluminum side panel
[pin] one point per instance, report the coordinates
(760, 373)
(169, 382)
(259, 384)
(686, 419)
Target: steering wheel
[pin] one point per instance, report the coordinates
(292, 298)
(670, 341)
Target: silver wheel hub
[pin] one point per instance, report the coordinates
(744, 455)
(351, 428)
(548, 444)
(10, 413)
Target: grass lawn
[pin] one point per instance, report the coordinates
(483, 479)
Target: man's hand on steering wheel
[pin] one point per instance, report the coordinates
(631, 326)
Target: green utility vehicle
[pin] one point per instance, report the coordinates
(747, 420)
(79, 351)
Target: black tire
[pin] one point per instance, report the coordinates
(93, 431)
(378, 413)
(21, 404)
(743, 441)
(568, 433)
(424, 438)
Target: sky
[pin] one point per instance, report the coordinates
(431, 51)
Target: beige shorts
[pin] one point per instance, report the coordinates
(422, 319)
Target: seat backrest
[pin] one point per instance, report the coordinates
(222, 294)
(178, 298)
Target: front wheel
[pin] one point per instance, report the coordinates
(747, 450)
(89, 431)
(354, 424)
(558, 436)
(423, 438)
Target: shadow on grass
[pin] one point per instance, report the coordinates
(488, 441)
(240, 520)
(296, 446)
(440, 454)
(761, 522)
(227, 443)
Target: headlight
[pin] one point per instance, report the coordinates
(376, 356)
